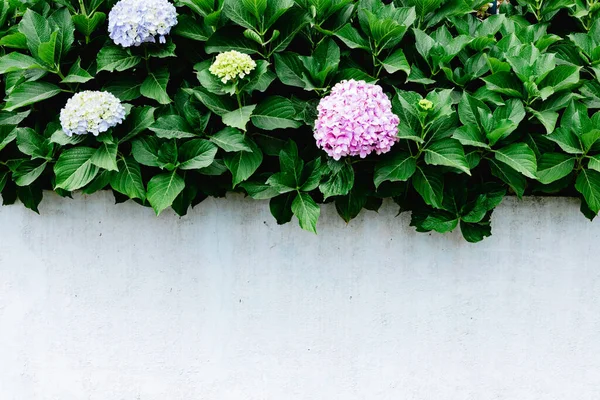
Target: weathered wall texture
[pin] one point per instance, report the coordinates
(107, 302)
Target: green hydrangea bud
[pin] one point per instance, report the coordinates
(425, 104)
(232, 65)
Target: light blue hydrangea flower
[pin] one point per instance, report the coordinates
(133, 22)
(91, 112)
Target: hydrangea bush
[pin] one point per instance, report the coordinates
(435, 105)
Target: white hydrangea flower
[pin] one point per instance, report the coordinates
(133, 22)
(232, 65)
(91, 112)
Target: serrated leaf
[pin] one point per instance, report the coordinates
(74, 168)
(88, 24)
(105, 156)
(396, 62)
(155, 86)
(394, 168)
(519, 157)
(163, 189)
(29, 93)
(554, 166)
(196, 154)
(430, 185)
(230, 140)
(172, 127)
(448, 152)
(77, 74)
(588, 184)
(128, 180)
(113, 58)
(307, 211)
(567, 140)
(238, 118)
(275, 112)
(14, 61)
(244, 163)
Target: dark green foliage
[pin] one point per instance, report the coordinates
(504, 105)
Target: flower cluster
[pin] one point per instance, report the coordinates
(425, 104)
(133, 22)
(232, 65)
(91, 112)
(356, 119)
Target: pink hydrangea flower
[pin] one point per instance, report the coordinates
(355, 120)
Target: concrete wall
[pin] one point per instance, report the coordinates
(107, 302)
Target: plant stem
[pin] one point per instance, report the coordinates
(82, 8)
(237, 96)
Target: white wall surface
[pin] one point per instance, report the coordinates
(107, 302)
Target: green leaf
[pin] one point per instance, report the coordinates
(281, 208)
(594, 162)
(74, 168)
(511, 177)
(62, 22)
(163, 189)
(14, 61)
(30, 196)
(145, 151)
(189, 28)
(259, 191)
(14, 40)
(114, 58)
(225, 40)
(424, 43)
(470, 135)
(448, 152)
(87, 25)
(396, 62)
(196, 154)
(140, 119)
(474, 233)
(155, 86)
(230, 140)
(290, 70)
(275, 112)
(34, 145)
(99, 183)
(352, 38)
(311, 175)
(554, 166)
(8, 134)
(282, 182)
(128, 180)
(238, 118)
(567, 140)
(255, 7)
(77, 74)
(220, 105)
(105, 156)
(172, 127)
(307, 211)
(36, 29)
(28, 172)
(126, 89)
(396, 167)
(340, 181)
(504, 83)
(429, 183)
(29, 93)
(244, 163)
(547, 118)
(519, 157)
(588, 184)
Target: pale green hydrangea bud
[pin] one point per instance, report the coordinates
(232, 65)
(425, 104)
